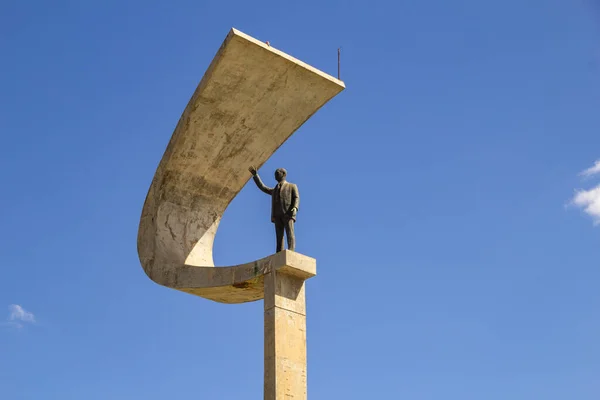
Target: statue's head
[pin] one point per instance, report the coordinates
(280, 174)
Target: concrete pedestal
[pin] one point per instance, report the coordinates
(285, 329)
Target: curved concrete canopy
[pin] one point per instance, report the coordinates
(250, 101)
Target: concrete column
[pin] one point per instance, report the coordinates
(285, 334)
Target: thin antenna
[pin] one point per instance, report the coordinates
(339, 52)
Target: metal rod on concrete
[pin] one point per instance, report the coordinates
(339, 52)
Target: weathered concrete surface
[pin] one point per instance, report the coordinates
(240, 283)
(250, 101)
(285, 336)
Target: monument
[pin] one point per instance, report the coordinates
(251, 99)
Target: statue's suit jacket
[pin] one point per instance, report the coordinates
(284, 197)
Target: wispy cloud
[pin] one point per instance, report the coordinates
(589, 200)
(19, 316)
(593, 170)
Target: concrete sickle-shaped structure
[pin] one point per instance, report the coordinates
(250, 101)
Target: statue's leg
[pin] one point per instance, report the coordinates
(279, 226)
(291, 237)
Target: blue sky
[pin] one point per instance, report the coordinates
(437, 196)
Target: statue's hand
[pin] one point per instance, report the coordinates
(292, 212)
(252, 171)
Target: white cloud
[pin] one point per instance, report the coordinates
(589, 200)
(593, 170)
(18, 315)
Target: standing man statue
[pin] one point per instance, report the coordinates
(285, 200)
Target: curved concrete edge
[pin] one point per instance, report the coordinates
(236, 284)
(251, 99)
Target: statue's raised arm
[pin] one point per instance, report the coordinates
(259, 182)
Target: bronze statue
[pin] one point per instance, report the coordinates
(285, 200)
